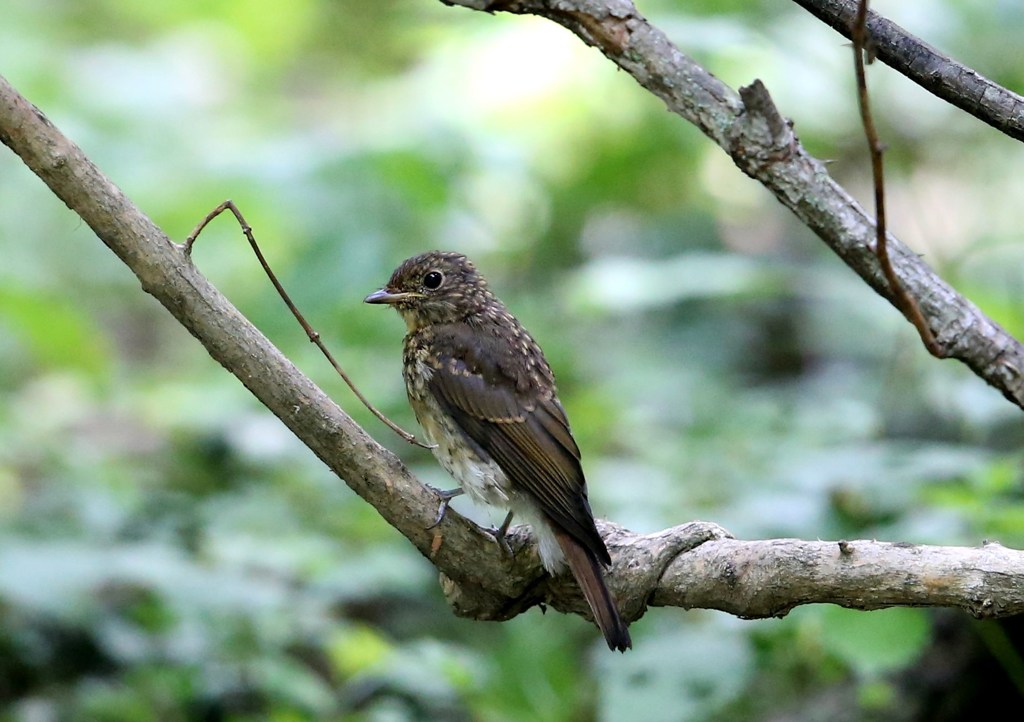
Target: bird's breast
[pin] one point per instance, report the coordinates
(481, 478)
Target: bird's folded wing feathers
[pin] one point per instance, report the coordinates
(521, 426)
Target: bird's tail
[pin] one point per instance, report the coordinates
(586, 569)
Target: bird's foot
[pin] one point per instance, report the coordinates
(500, 535)
(446, 499)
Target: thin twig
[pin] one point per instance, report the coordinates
(904, 301)
(311, 333)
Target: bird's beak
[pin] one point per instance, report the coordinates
(386, 296)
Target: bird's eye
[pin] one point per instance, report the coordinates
(433, 280)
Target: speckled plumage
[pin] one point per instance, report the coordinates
(485, 396)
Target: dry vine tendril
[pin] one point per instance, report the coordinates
(311, 333)
(906, 303)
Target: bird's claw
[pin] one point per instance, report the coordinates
(502, 541)
(500, 535)
(446, 499)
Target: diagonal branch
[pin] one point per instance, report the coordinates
(939, 74)
(166, 272)
(751, 130)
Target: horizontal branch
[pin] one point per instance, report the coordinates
(754, 579)
(761, 142)
(937, 73)
(698, 565)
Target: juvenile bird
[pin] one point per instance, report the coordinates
(485, 396)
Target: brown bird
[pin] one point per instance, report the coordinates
(485, 397)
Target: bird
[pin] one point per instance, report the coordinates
(486, 399)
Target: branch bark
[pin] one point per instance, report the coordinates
(749, 127)
(690, 566)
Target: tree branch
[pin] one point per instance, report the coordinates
(749, 127)
(695, 565)
(939, 74)
(698, 565)
(754, 579)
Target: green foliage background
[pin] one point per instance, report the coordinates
(169, 552)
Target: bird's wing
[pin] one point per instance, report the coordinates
(518, 422)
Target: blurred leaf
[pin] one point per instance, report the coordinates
(876, 642)
(291, 685)
(57, 331)
(356, 649)
(679, 674)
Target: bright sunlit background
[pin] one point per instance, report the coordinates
(169, 552)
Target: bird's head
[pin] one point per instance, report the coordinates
(433, 288)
